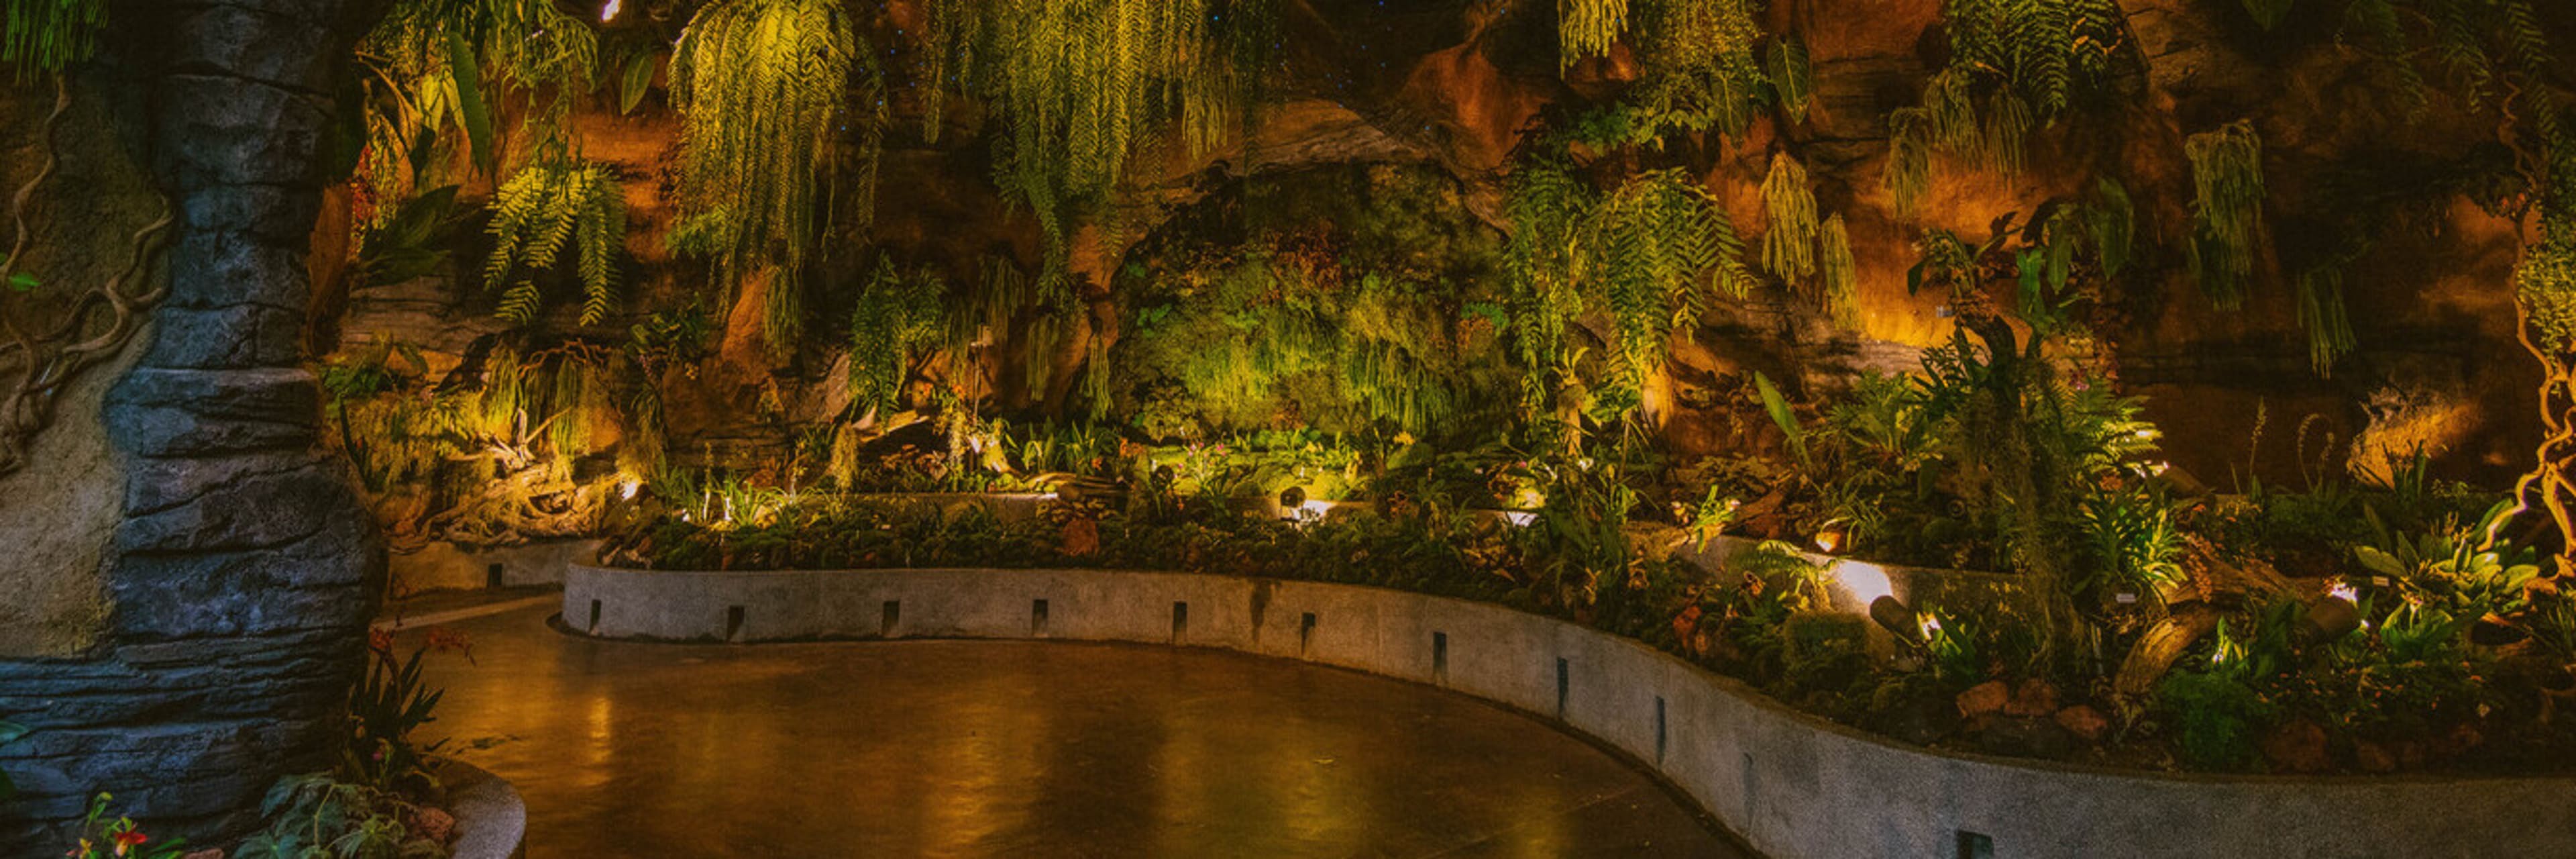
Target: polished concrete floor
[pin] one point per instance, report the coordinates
(1019, 749)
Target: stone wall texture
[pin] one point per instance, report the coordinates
(241, 575)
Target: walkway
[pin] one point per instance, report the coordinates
(1018, 749)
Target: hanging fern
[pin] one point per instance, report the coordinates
(46, 36)
(900, 320)
(1839, 273)
(540, 212)
(1079, 84)
(2227, 209)
(2015, 66)
(1789, 242)
(761, 86)
(1638, 255)
(1706, 64)
(1587, 28)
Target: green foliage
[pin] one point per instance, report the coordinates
(2226, 208)
(1782, 416)
(1080, 84)
(1789, 204)
(1642, 255)
(1354, 301)
(424, 73)
(388, 704)
(540, 212)
(2268, 13)
(316, 817)
(900, 320)
(2015, 66)
(46, 36)
(103, 837)
(1707, 66)
(2215, 717)
(412, 244)
(762, 86)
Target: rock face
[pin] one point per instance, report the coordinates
(242, 570)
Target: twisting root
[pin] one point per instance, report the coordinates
(45, 361)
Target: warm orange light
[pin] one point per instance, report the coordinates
(1829, 539)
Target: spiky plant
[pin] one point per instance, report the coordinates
(761, 86)
(536, 216)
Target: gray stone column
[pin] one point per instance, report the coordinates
(245, 570)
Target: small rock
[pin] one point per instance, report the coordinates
(2374, 757)
(2034, 698)
(2084, 722)
(1081, 537)
(2298, 747)
(1984, 699)
(2025, 737)
(433, 824)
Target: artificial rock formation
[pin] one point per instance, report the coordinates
(239, 579)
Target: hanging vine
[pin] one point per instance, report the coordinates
(37, 360)
(761, 86)
(1080, 84)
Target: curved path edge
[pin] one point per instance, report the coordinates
(1791, 785)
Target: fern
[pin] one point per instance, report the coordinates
(2015, 66)
(899, 320)
(540, 212)
(2227, 209)
(1638, 255)
(761, 86)
(1080, 84)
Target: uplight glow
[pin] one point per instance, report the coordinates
(1867, 582)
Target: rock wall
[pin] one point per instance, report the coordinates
(242, 572)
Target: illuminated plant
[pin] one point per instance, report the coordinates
(535, 216)
(1080, 84)
(1644, 254)
(2015, 66)
(2227, 210)
(40, 37)
(762, 86)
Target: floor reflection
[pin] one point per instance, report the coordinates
(971, 749)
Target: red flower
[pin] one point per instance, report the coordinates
(128, 840)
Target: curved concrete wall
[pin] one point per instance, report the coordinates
(1792, 785)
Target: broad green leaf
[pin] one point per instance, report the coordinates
(638, 81)
(470, 108)
(2379, 562)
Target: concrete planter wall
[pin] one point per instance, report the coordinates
(1792, 785)
(491, 820)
